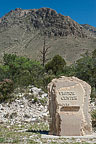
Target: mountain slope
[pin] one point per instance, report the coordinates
(23, 32)
(90, 28)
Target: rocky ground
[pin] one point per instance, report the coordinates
(30, 105)
(24, 120)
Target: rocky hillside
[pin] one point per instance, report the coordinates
(23, 31)
(90, 28)
(44, 19)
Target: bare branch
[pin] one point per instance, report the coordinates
(47, 49)
(44, 52)
(41, 52)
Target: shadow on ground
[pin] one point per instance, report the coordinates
(41, 132)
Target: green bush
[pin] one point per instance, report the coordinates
(85, 69)
(56, 65)
(23, 71)
(47, 79)
(6, 87)
(4, 72)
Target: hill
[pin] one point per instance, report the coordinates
(90, 28)
(23, 32)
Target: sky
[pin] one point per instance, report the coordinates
(82, 11)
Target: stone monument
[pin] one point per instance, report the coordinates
(69, 107)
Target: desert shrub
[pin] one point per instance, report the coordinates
(85, 69)
(94, 54)
(47, 78)
(56, 65)
(4, 72)
(23, 71)
(9, 58)
(43, 101)
(35, 100)
(68, 70)
(6, 87)
(93, 114)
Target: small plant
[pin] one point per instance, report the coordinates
(35, 100)
(2, 140)
(30, 97)
(93, 114)
(43, 101)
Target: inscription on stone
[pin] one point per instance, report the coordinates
(66, 95)
(70, 108)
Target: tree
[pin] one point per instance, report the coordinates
(56, 65)
(22, 70)
(85, 69)
(44, 53)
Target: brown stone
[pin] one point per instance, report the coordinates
(69, 107)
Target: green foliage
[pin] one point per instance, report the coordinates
(9, 58)
(93, 114)
(85, 69)
(4, 72)
(94, 54)
(6, 87)
(2, 140)
(35, 100)
(56, 65)
(23, 71)
(47, 79)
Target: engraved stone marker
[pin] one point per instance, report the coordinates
(69, 100)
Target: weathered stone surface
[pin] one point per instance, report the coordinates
(69, 101)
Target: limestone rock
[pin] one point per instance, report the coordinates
(22, 109)
(69, 107)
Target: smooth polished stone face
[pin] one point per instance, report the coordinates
(69, 100)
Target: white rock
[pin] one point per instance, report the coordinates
(39, 109)
(34, 116)
(35, 90)
(78, 140)
(0, 106)
(24, 130)
(29, 93)
(44, 114)
(46, 107)
(22, 106)
(44, 95)
(30, 86)
(32, 136)
(33, 119)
